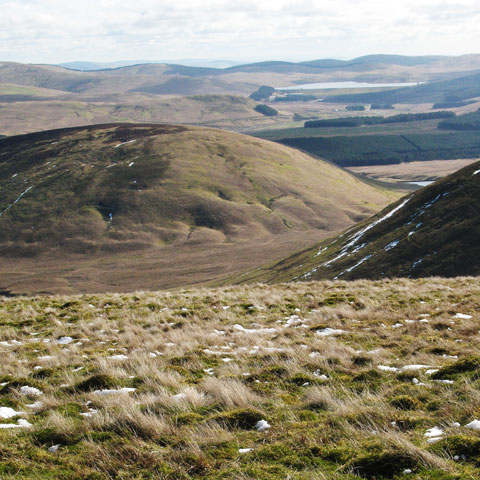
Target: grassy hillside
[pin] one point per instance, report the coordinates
(434, 231)
(26, 113)
(118, 189)
(242, 79)
(309, 381)
(462, 88)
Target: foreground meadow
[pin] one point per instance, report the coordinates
(322, 380)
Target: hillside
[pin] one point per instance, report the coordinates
(377, 140)
(44, 97)
(148, 78)
(239, 79)
(462, 88)
(26, 111)
(432, 232)
(470, 121)
(306, 381)
(171, 205)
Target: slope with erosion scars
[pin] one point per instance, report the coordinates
(203, 198)
(434, 231)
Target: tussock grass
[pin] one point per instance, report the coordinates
(172, 385)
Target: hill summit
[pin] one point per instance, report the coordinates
(113, 190)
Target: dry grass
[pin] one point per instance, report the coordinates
(199, 368)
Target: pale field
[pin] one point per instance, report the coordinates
(413, 171)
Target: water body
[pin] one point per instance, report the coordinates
(337, 85)
(421, 184)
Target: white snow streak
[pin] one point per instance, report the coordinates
(18, 198)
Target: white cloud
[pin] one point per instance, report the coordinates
(102, 30)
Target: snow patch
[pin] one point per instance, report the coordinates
(386, 368)
(113, 391)
(262, 426)
(363, 260)
(7, 412)
(244, 450)
(329, 331)
(358, 235)
(474, 425)
(124, 143)
(391, 245)
(26, 390)
(118, 357)
(411, 368)
(240, 328)
(434, 434)
(20, 424)
(17, 199)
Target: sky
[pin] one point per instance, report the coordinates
(55, 31)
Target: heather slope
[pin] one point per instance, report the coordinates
(127, 190)
(432, 232)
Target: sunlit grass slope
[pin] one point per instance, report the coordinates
(127, 189)
(307, 381)
(434, 231)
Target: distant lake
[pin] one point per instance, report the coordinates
(331, 85)
(422, 184)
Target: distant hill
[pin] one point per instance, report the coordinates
(36, 111)
(399, 59)
(332, 63)
(432, 232)
(184, 204)
(180, 79)
(150, 78)
(231, 65)
(88, 66)
(462, 88)
(83, 66)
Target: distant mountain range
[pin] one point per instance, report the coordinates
(90, 66)
(226, 64)
(177, 79)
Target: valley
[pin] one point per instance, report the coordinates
(127, 207)
(205, 278)
(431, 232)
(405, 173)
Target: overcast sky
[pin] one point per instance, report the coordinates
(53, 31)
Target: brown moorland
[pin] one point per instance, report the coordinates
(302, 381)
(126, 207)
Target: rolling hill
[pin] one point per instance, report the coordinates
(143, 206)
(30, 110)
(240, 79)
(461, 88)
(44, 97)
(432, 232)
